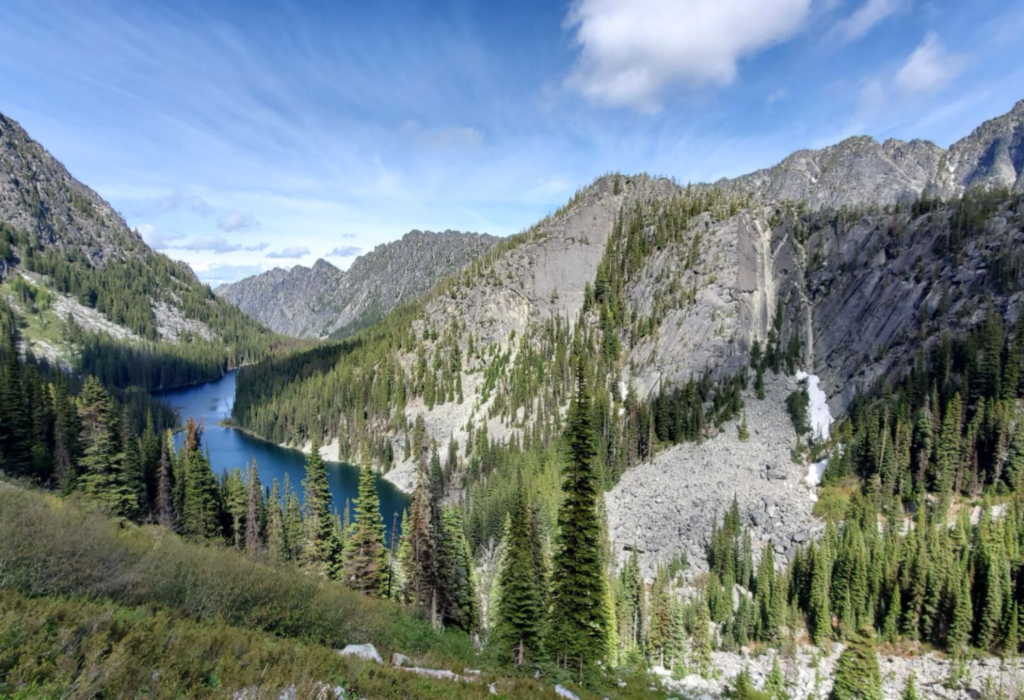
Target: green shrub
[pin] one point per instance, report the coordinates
(798, 404)
(51, 547)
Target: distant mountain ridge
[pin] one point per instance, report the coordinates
(322, 301)
(860, 170)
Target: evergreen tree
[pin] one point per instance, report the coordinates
(200, 510)
(631, 603)
(65, 431)
(775, 683)
(910, 689)
(365, 555)
(520, 588)
(659, 635)
(103, 480)
(131, 465)
(150, 448)
(579, 624)
(317, 524)
(765, 626)
(16, 434)
(820, 612)
(253, 508)
(963, 614)
(165, 513)
(948, 448)
(294, 532)
(857, 676)
(700, 654)
(419, 561)
(277, 543)
(457, 595)
(893, 613)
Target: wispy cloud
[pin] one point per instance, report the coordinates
(218, 244)
(862, 20)
(190, 202)
(288, 253)
(348, 251)
(630, 52)
(931, 67)
(237, 221)
(154, 238)
(484, 116)
(463, 137)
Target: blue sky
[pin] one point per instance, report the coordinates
(240, 136)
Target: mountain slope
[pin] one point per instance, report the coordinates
(70, 267)
(323, 300)
(671, 283)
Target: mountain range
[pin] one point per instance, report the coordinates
(324, 301)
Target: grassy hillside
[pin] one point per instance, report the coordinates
(89, 608)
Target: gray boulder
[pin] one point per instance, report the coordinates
(366, 652)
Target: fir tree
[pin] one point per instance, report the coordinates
(659, 635)
(165, 513)
(910, 688)
(579, 624)
(16, 434)
(365, 554)
(457, 595)
(317, 524)
(891, 623)
(200, 510)
(103, 480)
(857, 676)
(65, 431)
(253, 508)
(948, 449)
(419, 562)
(294, 533)
(520, 601)
(960, 627)
(277, 544)
(775, 683)
(631, 602)
(700, 654)
(820, 613)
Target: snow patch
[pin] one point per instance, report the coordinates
(821, 418)
(814, 473)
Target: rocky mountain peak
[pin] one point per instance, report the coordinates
(39, 195)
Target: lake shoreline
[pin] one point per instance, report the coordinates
(231, 446)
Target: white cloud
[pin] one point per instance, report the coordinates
(632, 50)
(346, 251)
(218, 244)
(191, 202)
(153, 238)
(289, 253)
(237, 221)
(864, 18)
(929, 68)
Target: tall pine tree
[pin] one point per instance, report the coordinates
(579, 616)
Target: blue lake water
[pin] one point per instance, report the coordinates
(211, 403)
